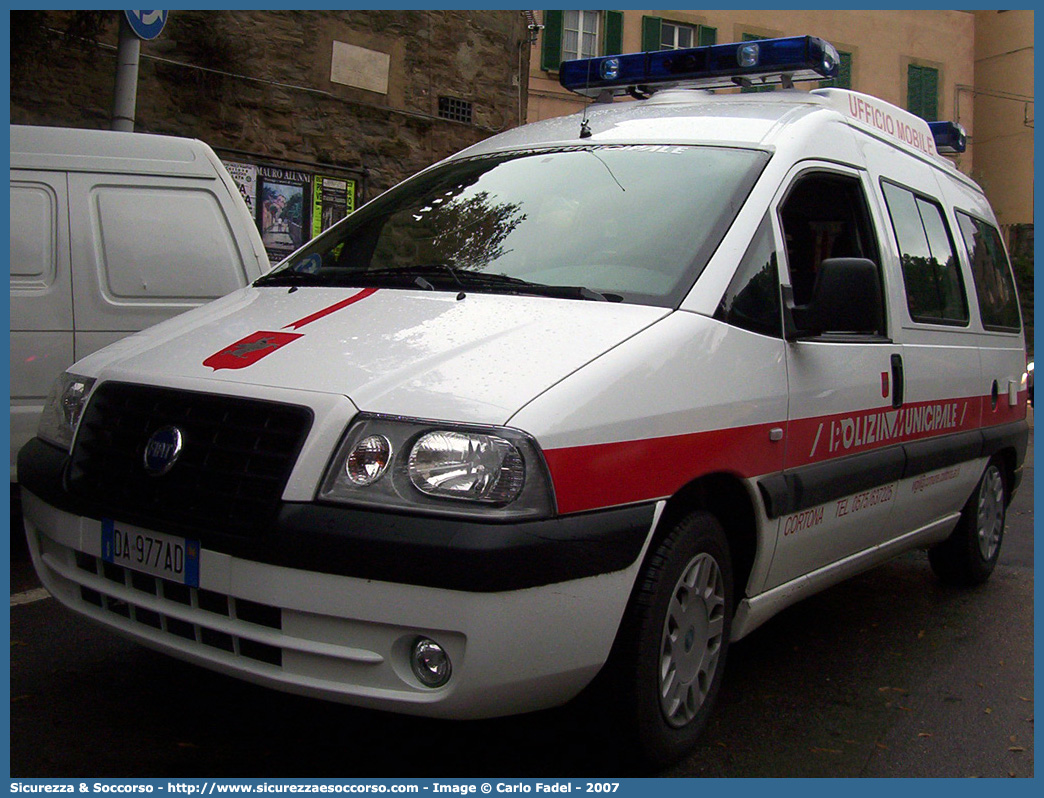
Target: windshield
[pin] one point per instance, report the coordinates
(633, 223)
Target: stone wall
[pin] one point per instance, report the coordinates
(259, 83)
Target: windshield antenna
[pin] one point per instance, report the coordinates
(610, 171)
(585, 129)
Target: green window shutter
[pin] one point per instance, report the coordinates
(913, 89)
(551, 49)
(930, 95)
(707, 35)
(844, 71)
(922, 92)
(651, 34)
(613, 33)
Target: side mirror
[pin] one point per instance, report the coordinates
(846, 299)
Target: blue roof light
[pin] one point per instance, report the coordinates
(949, 137)
(610, 69)
(762, 62)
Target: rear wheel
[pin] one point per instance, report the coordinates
(671, 651)
(970, 554)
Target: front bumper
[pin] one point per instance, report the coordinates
(520, 638)
(427, 551)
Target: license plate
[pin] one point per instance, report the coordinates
(155, 553)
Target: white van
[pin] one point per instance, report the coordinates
(598, 394)
(111, 233)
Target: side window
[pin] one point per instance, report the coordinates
(824, 216)
(991, 273)
(934, 289)
(752, 301)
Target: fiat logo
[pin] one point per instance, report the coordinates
(162, 450)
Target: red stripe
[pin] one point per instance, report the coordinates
(603, 475)
(814, 440)
(609, 474)
(1003, 413)
(332, 309)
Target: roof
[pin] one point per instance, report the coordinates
(761, 120)
(75, 149)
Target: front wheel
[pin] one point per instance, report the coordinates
(674, 638)
(970, 554)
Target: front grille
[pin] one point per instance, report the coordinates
(206, 609)
(236, 458)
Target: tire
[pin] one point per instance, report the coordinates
(670, 653)
(970, 554)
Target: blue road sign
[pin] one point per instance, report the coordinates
(146, 24)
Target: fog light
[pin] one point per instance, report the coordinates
(430, 662)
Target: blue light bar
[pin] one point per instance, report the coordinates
(757, 63)
(949, 137)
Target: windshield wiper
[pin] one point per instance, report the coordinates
(465, 278)
(422, 276)
(291, 277)
(514, 285)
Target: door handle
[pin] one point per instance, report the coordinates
(897, 381)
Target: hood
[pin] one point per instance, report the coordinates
(401, 352)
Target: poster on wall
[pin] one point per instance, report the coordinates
(283, 214)
(244, 175)
(333, 198)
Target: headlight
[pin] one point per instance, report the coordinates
(63, 409)
(448, 469)
(467, 465)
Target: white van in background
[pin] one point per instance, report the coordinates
(111, 233)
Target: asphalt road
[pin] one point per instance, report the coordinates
(889, 674)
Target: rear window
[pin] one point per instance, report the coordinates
(991, 273)
(633, 223)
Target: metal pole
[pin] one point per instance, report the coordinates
(125, 94)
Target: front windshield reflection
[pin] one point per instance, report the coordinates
(632, 223)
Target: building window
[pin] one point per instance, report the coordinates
(580, 34)
(844, 74)
(569, 35)
(455, 110)
(660, 34)
(922, 92)
(676, 37)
